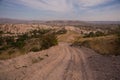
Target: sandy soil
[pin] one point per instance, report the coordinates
(61, 62)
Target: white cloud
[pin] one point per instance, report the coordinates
(60, 5)
(110, 13)
(50, 5)
(71, 9)
(89, 3)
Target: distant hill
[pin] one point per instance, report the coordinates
(104, 22)
(52, 22)
(56, 22)
(7, 20)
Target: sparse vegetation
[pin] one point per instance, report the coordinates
(48, 41)
(40, 37)
(105, 45)
(62, 31)
(35, 49)
(37, 39)
(94, 34)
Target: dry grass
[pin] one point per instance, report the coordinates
(68, 37)
(104, 45)
(11, 53)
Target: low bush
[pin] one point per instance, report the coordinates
(35, 49)
(4, 48)
(1, 41)
(41, 38)
(62, 31)
(48, 41)
(19, 44)
(92, 34)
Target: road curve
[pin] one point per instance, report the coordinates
(61, 62)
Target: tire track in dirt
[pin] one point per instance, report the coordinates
(64, 63)
(22, 72)
(46, 69)
(59, 69)
(76, 69)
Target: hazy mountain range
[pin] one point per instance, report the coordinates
(56, 22)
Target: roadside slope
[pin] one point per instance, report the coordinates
(61, 62)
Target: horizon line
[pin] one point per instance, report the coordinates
(54, 19)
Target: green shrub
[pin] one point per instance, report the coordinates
(9, 40)
(62, 31)
(4, 48)
(1, 41)
(19, 44)
(23, 37)
(92, 34)
(41, 38)
(99, 33)
(38, 33)
(48, 41)
(76, 43)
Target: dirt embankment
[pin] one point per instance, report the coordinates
(61, 62)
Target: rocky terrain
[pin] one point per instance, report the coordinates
(22, 28)
(60, 62)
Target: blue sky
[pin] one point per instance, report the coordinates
(87, 10)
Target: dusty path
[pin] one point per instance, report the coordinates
(61, 62)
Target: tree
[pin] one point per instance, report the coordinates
(1, 40)
(99, 33)
(48, 41)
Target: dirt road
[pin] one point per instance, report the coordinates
(61, 62)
